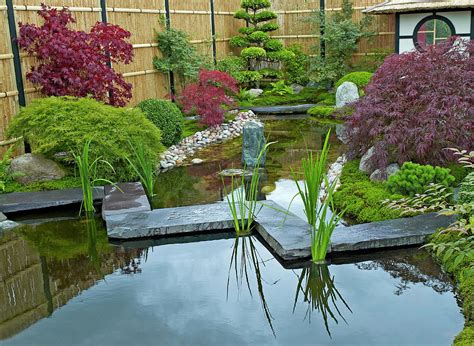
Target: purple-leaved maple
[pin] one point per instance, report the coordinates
(76, 63)
(416, 105)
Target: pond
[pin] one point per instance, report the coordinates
(63, 283)
(202, 184)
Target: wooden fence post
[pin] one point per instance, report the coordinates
(322, 44)
(213, 32)
(16, 54)
(168, 26)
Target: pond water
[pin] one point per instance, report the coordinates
(62, 283)
(201, 184)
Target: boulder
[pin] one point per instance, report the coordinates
(32, 168)
(297, 88)
(341, 132)
(385, 173)
(253, 143)
(2, 217)
(255, 92)
(346, 93)
(366, 164)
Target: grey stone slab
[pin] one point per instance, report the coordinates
(2, 217)
(282, 109)
(124, 198)
(387, 234)
(287, 234)
(30, 201)
(160, 222)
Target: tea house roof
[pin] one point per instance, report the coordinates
(397, 6)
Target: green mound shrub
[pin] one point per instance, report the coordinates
(414, 178)
(466, 190)
(167, 117)
(321, 111)
(63, 124)
(326, 98)
(361, 198)
(361, 79)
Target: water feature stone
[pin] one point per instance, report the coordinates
(255, 92)
(197, 161)
(30, 201)
(7, 224)
(383, 174)
(124, 198)
(346, 93)
(32, 168)
(366, 164)
(253, 144)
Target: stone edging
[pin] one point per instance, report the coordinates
(177, 154)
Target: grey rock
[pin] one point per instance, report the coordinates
(2, 217)
(32, 168)
(7, 224)
(255, 92)
(253, 144)
(30, 201)
(124, 198)
(297, 88)
(366, 164)
(197, 161)
(341, 132)
(346, 93)
(384, 174)
(298, 109)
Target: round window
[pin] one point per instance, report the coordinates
(432, 30)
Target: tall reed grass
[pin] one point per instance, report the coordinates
(317, 210)
(143, 167)
(242, 198)
(87, 173)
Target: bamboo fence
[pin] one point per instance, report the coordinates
(143, 18)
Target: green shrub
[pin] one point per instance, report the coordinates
(167, 117)
(361, 79)
(253, 53)
(5, 176)
(296, 69)
(414, 178)
(280, 88)
(258, 37)
(270, 73)
(361, 198)
(247, 77)
(459, 172)
(321, 111)
(273, 45)
(63, 124)
(466, 190)
(326, 99)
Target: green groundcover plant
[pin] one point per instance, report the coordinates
(167, 117)
(63, 125)
(361, 79)
(413, 178)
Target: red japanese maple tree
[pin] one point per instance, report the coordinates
(417, 104)
(77, 63)
(209, 96)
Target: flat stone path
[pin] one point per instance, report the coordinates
(285, 233)
(282, 109)
(124, 198)
(29, 201)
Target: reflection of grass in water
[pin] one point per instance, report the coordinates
(248, 260)
(319, 291)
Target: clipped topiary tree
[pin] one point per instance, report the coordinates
(167, 117)
(259, 50)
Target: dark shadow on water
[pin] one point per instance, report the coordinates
(317, 289)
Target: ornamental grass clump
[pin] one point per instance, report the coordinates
(144, 167)
(317, 211)
(417, 104)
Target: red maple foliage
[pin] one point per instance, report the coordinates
(77, 63)
(209, 96)
(416, 105)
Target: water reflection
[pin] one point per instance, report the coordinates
(245, 258)
(318, 290)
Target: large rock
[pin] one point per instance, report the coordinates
(341, 132)
(2, 217)
(346, 93)
(255, 92)
(366, 163)
(297, 88)
(253, 143)
(385, 173)
(32, 168)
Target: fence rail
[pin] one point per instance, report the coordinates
(210, 24)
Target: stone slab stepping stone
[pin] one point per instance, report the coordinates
(171, 221)
(124, 198)
(403, 232)
(31, 201)
(282, 109)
